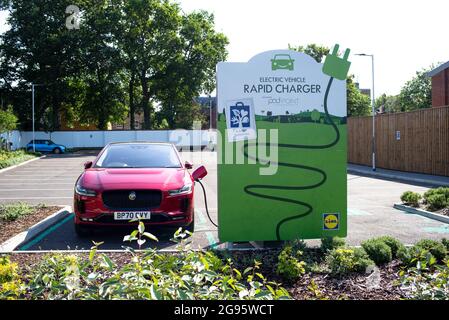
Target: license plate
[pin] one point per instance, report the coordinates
(130, 215)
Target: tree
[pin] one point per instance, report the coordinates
(358, 103)
(8, 122)
(389, 104)
(315, 51)
(417, 92)
(315, 115)
(38, 48)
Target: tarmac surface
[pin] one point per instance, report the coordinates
(51, 180)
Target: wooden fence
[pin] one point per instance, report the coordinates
(416, 141)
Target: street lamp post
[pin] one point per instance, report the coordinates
(32, 103)
(373, 102)
(210, 112)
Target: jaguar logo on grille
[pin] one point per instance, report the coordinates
(132, 196)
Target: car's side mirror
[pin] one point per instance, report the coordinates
(188, 165)
(199, 173)
(88, 165)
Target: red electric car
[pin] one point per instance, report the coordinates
(138, 180)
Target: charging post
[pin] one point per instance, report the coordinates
(282, 154)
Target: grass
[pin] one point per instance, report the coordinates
(10, 158)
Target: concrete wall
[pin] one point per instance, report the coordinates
(98, 139)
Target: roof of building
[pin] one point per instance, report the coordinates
(437, 70)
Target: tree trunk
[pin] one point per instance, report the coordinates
(132, 107)
(146, 102)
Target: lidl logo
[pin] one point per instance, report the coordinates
(331, 221)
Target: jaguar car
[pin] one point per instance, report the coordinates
(136, 181)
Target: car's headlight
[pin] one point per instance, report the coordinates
(84, 192)
(186, 189)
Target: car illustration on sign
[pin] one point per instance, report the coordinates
(282, 61)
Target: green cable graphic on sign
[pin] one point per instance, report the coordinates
(268, 209)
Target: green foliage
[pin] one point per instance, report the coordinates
(315, 115)
(389, 104)
(150, 275)
(10, 158)
(345, 260)
(394, 244)
(358, 103)
(315, 51)
(417, 92)
(10, 283)
(426, 281)
(330, 243)
(12, 212)
(289, 266)
(436, 248)
(445, 242)
(125, 58)
(378, 251)
(411, 198)
(8, 120)
(437, 198)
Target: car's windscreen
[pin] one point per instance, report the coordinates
(139, 156)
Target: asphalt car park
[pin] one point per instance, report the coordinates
(51, 180)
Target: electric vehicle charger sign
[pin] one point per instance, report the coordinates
(282, 147)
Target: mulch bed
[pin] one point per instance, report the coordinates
(352, 286)
(9, 229)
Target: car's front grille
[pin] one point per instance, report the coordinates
(121, 199)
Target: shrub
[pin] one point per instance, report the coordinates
(437, 198)
(289, 267)
(411, 198)
(330, 243)
(393, 243)
(436, 202)
(10, 284)
(11, 212)
(378, 251)
(345, 260)
(148, 275)
(10, 158)
(436, 248)
(445, 242)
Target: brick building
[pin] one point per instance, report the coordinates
(440, 85)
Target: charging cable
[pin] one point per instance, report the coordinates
(205, 203)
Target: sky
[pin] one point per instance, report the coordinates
(403, 36)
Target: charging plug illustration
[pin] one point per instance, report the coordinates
(335, 66)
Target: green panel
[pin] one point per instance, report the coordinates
(247, 217)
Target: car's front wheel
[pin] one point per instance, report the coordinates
(56, 151)
(82, 231)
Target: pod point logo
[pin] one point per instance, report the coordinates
(331, 221)
(282, 62)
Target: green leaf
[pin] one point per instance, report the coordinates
(155, 295)
(108, 262)
(141, 227)
(151, 236)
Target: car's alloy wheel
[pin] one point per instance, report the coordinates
(57, 151)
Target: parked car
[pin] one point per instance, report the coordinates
(45, 146)
(136, 180)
